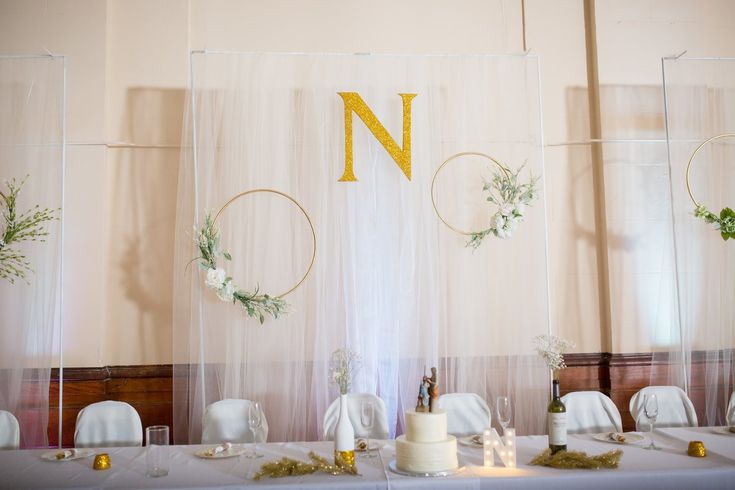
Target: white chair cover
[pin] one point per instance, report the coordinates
(9, 431)
(227, 421)
(354, 405)
(108, 424)
(731, 410)
(591, 412)
(467, 413)
(675, 409)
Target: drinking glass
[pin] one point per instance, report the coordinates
(367, 416)
(650, 407)
(156, 451)
(255, 422)
(502, 406)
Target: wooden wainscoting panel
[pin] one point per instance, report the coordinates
(150, 388)
(147, 388)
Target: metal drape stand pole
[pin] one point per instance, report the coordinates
(684, 373)
(196, 217)
(61, 258)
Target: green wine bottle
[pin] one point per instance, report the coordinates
(557, 420)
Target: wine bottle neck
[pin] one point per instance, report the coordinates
(555, 389)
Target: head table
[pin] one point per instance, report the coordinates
(669, 468)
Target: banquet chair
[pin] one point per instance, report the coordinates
(354, 407)
(730, 420)
(9, 431)
(591, 412)
(467, 413)
(227, 421)
(108, 424)
(675, 409)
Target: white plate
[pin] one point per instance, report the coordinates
(630, 438)
(392, 466)
(469, 441)
(81, 453)
(230, 453)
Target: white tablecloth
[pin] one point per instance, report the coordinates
(669, 468)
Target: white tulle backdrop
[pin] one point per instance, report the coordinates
(700, 103)
(32, 145)
(390, 280)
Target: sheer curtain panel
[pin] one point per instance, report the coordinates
(391, 281)
(700, 104)
(31, 148)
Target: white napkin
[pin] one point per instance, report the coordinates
(617, 437)
(67, 453)
(224, 447)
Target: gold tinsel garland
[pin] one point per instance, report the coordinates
(577, 460)
(292, 467)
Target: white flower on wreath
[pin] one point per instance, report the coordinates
(520, 209)
(511, 224)
(498, 222)
(227, 291)
(507, 209)
(215, 278)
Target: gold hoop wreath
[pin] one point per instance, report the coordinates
(511, 200)
(725, 222)
(256, 305)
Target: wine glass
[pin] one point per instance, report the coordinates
(503, 408)
(255, 422)
(367, 416)
(650, 407)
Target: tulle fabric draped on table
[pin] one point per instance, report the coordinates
(390, 280)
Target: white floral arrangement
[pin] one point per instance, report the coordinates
(511, 197)
(552, 349)
(343, 365)
(255, 305)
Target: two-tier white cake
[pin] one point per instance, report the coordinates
(426, 447)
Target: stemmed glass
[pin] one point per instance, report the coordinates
(367, 416)
(255, 422)
(650, 407)
(503, 408)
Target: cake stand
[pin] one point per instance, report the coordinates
(392, 466)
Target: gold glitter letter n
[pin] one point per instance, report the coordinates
(402, 156)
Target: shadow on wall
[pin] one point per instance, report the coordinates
(143, 217)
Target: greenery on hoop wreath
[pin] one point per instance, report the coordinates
(725, 221)
(256, 305)
(503, 190)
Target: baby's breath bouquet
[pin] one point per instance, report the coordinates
(343, 365)
(552, 349)
(19, 227)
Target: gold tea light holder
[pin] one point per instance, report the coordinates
(102, 462)
(696, 449)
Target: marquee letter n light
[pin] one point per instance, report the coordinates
(401, 155)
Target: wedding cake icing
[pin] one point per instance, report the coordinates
(426, 447)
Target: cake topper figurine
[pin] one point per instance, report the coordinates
(422, 402)
(432, 384)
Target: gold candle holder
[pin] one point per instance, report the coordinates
(344, 459)
(101, 462)
(696, 449)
